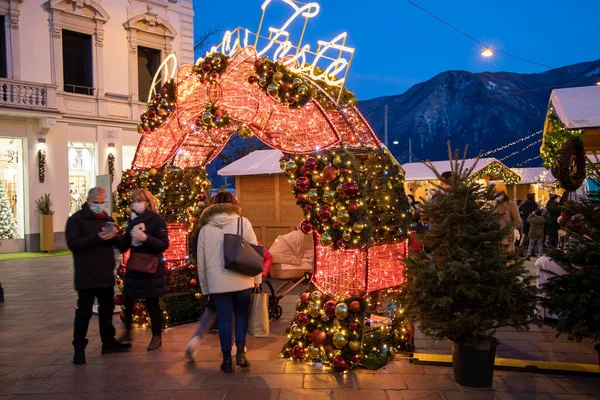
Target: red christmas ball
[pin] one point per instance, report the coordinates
(353, 326)
(306, 227)
(286, 85)
(219, 113)
(122, 271)
(302, 318)
(192, 267)
(258, 64)
(131, 172)
(152, 113)
(341, 244)
(311, 164)
(319, 337)
(322, 181)
(345, 171)
(356, 359)
(252, 79)
(202, 196)
(120, 188)
(137, 309)
(143, 307)
(157, 97)
(325, 213)
(147, 129)
(122, 316)
(119, 282)
(214, 75)
(270, 70)
(309, 336)
(299, 352)
(206, 66)
(301, 197)
(193, 282)
(329, 349)
(340, 364)
(307, 208)
(291, 100)
(143, 319)
(305, 298)
(144, 117)
(164, 90)
(355, 306)
(336, 225)
(330, 173)
(302, 171)
(118, 299)
(302, 184)
(329, 308)
(353, 207)
(350, 189)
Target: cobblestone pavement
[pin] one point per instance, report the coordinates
(35, 359)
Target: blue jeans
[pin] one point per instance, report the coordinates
(228, 304)
(540, 247)
(553, 240)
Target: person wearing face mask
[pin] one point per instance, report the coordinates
(91, 239)
(146, 233)
(508, 215)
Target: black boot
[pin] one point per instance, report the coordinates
(79, 356)
(227, 365)
(240, 357)
(1, 293)
(115, 347)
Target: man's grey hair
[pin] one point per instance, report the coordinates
(95, 191)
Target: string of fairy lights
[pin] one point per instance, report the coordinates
(506, 146)
(523, 149)
(522, 163)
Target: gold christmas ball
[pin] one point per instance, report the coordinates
(329, 196)
(340, 206)
(216, 60)
(153, 171)
(277, 76)
(347, 236)
(341, 311)
(296, 331)
(339, 340)
(315, 296)
(358, 227)
(313, 195)
(344, 217)
(324, 317)
(313, 352)
(273, 90)
(316, 178)
(291, 167)
(337, 161)
(282, 164)
(354, 345)
(207, 118)
(326, 240)
(313, 309)
(297, 82)
(208, 106)
(302, 90)
(262, 82)
(245, 133)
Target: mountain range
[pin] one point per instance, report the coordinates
(484, 110)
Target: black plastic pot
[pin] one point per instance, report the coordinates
(472, 367)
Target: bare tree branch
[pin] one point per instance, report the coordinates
(203, 38)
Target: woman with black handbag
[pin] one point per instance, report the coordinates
(229, 289)
(146, 276)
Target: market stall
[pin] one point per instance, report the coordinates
(538, 181)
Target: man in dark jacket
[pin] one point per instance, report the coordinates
(92, 242)
(553, 212)
(526, 209)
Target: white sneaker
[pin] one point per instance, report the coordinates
(191, 347)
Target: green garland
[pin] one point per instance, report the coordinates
(211, 67)
(293, 89)
(159, 108)
(351, 197)
(212, 117)
(496, 169)
(555, 137)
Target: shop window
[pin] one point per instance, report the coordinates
(148, 63)
(11, 178)
(3, 55)
(82, 173)
(77, 63)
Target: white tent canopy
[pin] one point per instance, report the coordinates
(259, 162)
(420, 172)
(577, 107)
(534, 175)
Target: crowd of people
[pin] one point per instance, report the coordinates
(93, 237)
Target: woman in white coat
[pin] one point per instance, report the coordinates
(229, 290)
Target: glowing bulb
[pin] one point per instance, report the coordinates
(487, 52)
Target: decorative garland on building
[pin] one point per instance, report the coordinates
(212, 117)
(293, 89)
(348, 332)
(351, 198)
(570, 167)
(496, 169)
(41, 165)
(159, 108)
(555, 137)
(211, 68)
(111, 166)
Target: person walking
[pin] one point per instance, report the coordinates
(537, 222)
(146, 234)
(229, 290)
(508, 215)
(527, 208)
(91, 237)
(553, 212)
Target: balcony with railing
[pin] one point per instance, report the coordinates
(27, 95)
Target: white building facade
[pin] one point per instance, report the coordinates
(74, 79)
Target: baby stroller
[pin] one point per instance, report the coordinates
(292, 264)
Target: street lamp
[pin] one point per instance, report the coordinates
(395, 142)
(487, 52)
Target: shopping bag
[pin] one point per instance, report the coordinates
(240, 256)
(258, 319)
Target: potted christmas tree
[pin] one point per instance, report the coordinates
(8, 226)
(575, 296)
(469, 287)
(44, 206)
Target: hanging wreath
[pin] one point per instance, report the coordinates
(111, 166)
(569, 168)
(41, 165)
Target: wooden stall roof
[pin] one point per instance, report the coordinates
(259, 162)
(420, 172)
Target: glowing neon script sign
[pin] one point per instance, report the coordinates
(297, 62)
